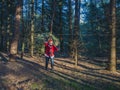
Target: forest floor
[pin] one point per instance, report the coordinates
(29, 74)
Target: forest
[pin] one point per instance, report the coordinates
(85, 33)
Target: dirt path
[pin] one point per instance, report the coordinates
(29, 74)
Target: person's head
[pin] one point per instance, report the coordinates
(50, 42)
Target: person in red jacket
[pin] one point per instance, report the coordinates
(49, 53)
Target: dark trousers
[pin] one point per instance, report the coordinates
(47, 61)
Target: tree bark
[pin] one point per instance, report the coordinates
(2, 27)
(60, 26)
(52, 16)
(76, 30)
(8, 26)
(14, 43)
(112, 61)
(42, 22)
(23, 35)
(32, 30)
(70, 28)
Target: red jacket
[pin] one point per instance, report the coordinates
(49, 50)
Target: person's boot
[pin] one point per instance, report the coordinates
(52, 67)
(46, 67)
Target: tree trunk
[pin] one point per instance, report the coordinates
(112, 61)
(8, 27)
(23, 35)
(42, 22)
(76, 30)
(60, 26)
(23, 49)
(32, 30)
(14, 43)
(53, 16)
(2, 26)
(70, 28)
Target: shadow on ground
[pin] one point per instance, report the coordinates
(24, 74)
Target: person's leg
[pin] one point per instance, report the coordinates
(46, 64)
(52, 62)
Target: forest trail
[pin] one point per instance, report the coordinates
(29, 74)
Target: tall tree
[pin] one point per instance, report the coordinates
(53, 4)
(60, 25)
(70, 26)
(2, 26)
(9, 5)
(32, 29)
(42, 21)
(76, 30)
(110, 15)
(22, 35)
(112, 61)
(14, 43)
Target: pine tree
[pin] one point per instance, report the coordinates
(14, 43)
(112, 61)
(70, 26)
(76, 30)
(32, 29)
